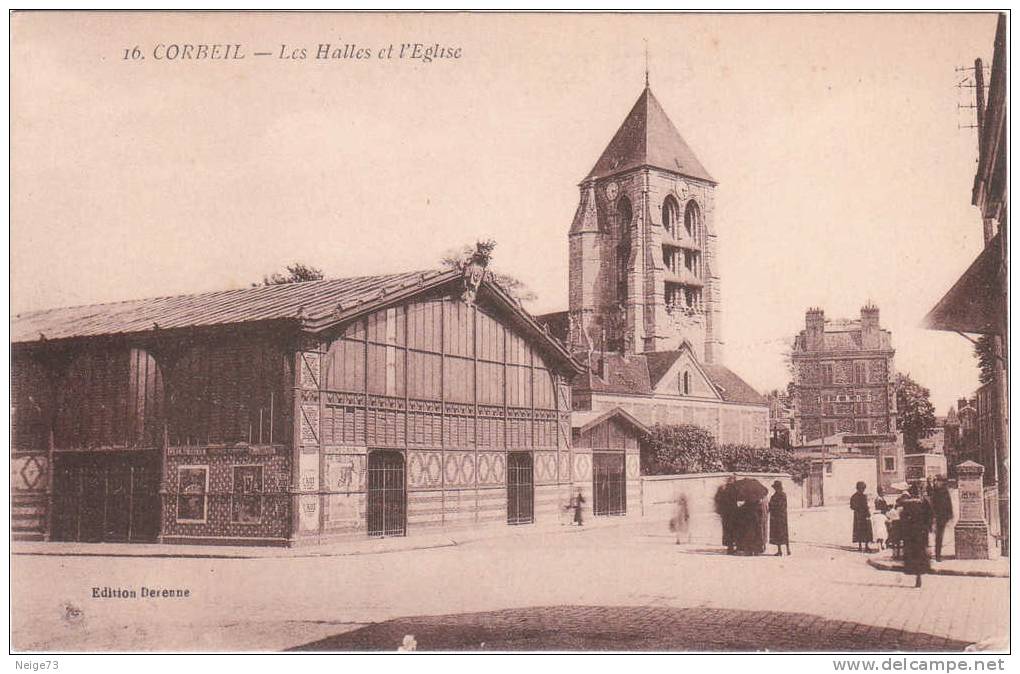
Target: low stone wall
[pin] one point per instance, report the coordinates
(659, 494)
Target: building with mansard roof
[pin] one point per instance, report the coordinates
(644, 299)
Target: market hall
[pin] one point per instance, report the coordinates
(290, 414)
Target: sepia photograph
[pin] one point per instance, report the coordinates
(510, 332)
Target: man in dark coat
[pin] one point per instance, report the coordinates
(779, 533)
(862, 518)
(726, 506)
(749, 535)
(942, 508)
(915, 523)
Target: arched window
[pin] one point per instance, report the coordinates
(671, 216)
(624, 217)
(692, 218)
(685, 383)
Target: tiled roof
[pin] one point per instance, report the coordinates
(558, 323)
(659, 363)
(638, 374)
(647, 137)
(731, 387)
(621, 374)
(306, 301)
(312, 305)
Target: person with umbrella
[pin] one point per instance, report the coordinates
(779, 533)
(915, 522)
(750, 520)
(862, 518)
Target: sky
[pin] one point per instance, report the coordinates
(843, 174)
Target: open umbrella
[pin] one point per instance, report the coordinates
(748, 489)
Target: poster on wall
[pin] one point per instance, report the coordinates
(309, 471)
(344, 472)
(309, 509)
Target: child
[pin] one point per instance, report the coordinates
(892, 536)
(878, 528)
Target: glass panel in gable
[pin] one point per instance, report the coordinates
(490, 383)
(458, 382)
(458, 332)
(490, 338)
(424, 325)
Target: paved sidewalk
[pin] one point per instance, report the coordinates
(976, 568)
(358, 546)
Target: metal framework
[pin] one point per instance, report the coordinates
(520, 488)
(387, 498)
(106, 498)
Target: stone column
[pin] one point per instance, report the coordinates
(971, 528)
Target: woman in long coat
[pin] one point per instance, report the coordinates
(915, 522)
(779, 533)
(862, 518)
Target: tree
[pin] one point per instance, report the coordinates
(680, 448)
(296, 273)
(916, 413)
(984, 351)
(481, 254)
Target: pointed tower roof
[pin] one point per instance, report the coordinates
(647, 137)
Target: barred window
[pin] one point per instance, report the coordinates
(246, 507)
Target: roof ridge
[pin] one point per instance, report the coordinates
(209, 293)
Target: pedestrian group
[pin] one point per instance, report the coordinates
(749, 523)
(904, 526)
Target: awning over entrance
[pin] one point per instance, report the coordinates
(971, 304)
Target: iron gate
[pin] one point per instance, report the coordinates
(112, 497)
(387, 500)
(610, 484)
(520, 488)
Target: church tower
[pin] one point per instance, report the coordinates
(643, 244)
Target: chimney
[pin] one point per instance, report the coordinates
(870, 338)
(814, 320)
(869, 316)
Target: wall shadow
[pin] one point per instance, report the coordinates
(634, 628)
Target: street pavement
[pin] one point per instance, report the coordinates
(627, 587)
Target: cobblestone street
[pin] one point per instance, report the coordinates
(626, 628)
(620, 587)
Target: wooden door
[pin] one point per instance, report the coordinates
(609, 486)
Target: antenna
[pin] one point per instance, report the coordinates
(970, 78)
(646, 63)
